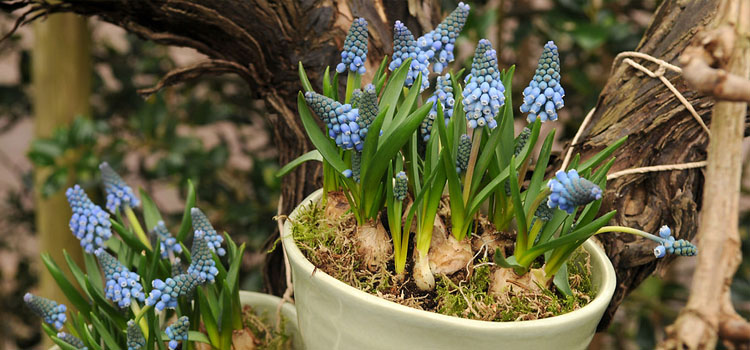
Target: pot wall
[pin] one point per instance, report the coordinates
(334, 315)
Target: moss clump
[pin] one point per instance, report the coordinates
(469, 300)
(266, 336)
(328, 244)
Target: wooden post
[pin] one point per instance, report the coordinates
(61, 74)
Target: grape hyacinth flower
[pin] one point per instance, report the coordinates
(544, 212)
(464, 151)
(570, 191)
(356, 165)
(367, 107)
(442, 39)
(119, 194)
(168, 244)
(177, 332)
(341, 120)
(668, 245)
(165, 293)
(544, 95)
(136, 340)
(405, 47)
(444, 95)
(72, 340)
(484, 93)
(89, 223)
(201, 223)
(354, 54)
(400, 188)
(49, 310)
(121, 285)
(176, 267)
(202, 264)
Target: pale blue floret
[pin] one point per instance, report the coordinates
(347, 173)
(438, 44)
(164, 294)
(354, 54)
(444, 95)
(570, 191)
(135, 340)
(405, 47)
(342, 121)
(177, 332)
(72, 340)
(49, 310)
(89, 222)
(544, 95)
(668, 245)
(119, 194)
(201, 223)
(484, 93)
(122, 285)
(167, 244)
(202, 264)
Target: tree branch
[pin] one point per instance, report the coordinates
(207, 67)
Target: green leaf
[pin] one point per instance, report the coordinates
(209, 320)
(194, 336)
(520, 215)
(561, 280)
(509, 263)
(601, 156)
(67, 288)
(92, 272)
(312, 155)
(106, 309)
(303, 78)
(327, 83)
(103, 332)
(539, 169)
(128, 237)
(393, 91)
(322, 142)
(79, 276)
(187, 220)
(44, 152)
(151, 213)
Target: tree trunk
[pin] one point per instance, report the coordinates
(263, 42)
(61, 64)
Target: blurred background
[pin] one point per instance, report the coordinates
(212, 133)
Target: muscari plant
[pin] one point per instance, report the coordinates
(133, 291)
(387, 151)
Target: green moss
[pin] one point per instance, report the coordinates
(468, 300)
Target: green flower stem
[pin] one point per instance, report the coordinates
(137, 227)
(394, 222)
(476, 141)
(632, 231)
(352, 82)
(534, 232)
(138, 312)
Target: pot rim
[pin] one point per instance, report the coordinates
(598, 256)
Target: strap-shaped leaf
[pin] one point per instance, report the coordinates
(404, 108)
(515, 195)
(103, 332)
(312, 155)
(67, 288)
(535, 185)
(561, 280)
(187, 220)
(393, 90)
(303, 78)
(508, 263)
(322, 142)
(151, 213)
(601, 156)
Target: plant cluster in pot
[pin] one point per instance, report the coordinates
(148, 291)
(434, 228)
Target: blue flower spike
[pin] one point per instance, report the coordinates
(177, 332)
(354, 54)
(340, 120)
(570, 191)
(668, 245)
(444, 95)
(544, 95)
(72, 340)
(464, 151)
(122, 285)
(202, 264)
(400, 188)
(165, 293)
(49, 310)
(439, 43)
(405, 47)
(484, 93)
(168, 244)
(119, 194)
(89, 223)
(201, 223)
(136, 340)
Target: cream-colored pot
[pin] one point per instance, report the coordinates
(334, 315)
(267, 304)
